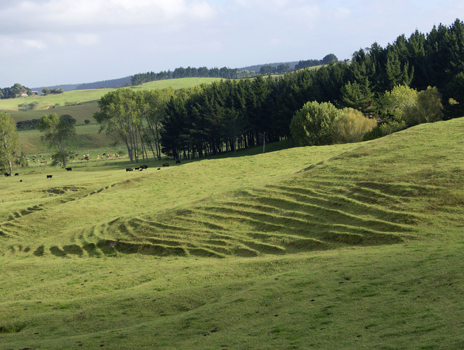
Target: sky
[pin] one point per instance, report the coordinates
(52, 42)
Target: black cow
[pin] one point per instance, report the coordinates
(16, 174)
(144, 167)
(68, 169)
(20, 180)
(49, 176)
(177, 161)
(159, 168)
(166, 164)
(6, 174)
(136, 168)
(129, 169)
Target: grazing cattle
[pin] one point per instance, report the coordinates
(20, 180)
(136, 168)
(16, 174)
(68, 169)
(177, 161)
(6, 174)
(49, 176)
(144, 167)
(166, 164)
(129, 169)
(159, 168)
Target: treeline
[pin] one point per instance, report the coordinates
(227, 73)
(330, 58)
(280, 69)
(105, 84)
(52, 91)
(239, 113)
(234, 114)
(32, 124)
(27, 124)
(14, 91)
(189, 72)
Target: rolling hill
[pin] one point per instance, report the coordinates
(354, 246)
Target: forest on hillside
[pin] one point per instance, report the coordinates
(413, 80)
(232, 114)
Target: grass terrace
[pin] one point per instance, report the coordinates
(355, 246)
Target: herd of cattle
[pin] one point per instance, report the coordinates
(140, 168)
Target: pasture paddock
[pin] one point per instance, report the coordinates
(355, 246)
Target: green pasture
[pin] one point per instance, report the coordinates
(77, 97)
(87, 141)
(80, 112)
(83, 103)
(355, 246)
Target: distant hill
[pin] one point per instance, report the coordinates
(85, 86)
(104, 84)
(112, 83)
(65, 87)
(257, 67)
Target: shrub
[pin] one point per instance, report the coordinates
(69, 119)
(427, 109)
(313, 124)
(383, 130)
(28, 106)
(350, 126)
(394, 103)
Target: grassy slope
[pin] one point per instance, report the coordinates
(88, 138)
(82, 96)
(350, 246)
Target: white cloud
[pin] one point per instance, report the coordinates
(154, 35)
(69, 14)
(36, 44)
(342, 13)
(86, 39)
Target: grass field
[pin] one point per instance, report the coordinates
(82, 96)
(87, 141)
(355, 246)
(83, 103)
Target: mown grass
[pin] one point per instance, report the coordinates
(351, 246)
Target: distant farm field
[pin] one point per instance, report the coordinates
(81, 96)
(355, 246)
(82, 104)
(85, 104)
(87, 140)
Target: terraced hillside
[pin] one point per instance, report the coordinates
(303, 201)
(349, 246)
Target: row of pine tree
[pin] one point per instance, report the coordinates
(238, 114)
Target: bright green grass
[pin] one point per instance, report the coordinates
(87, 140)
(339, 247)
(82, 96)
(84, 102)
(80, 112)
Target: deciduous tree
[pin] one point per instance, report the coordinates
(351, 125)
(313, 124)
(57, 133)
(10, 149)
(119, 115)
